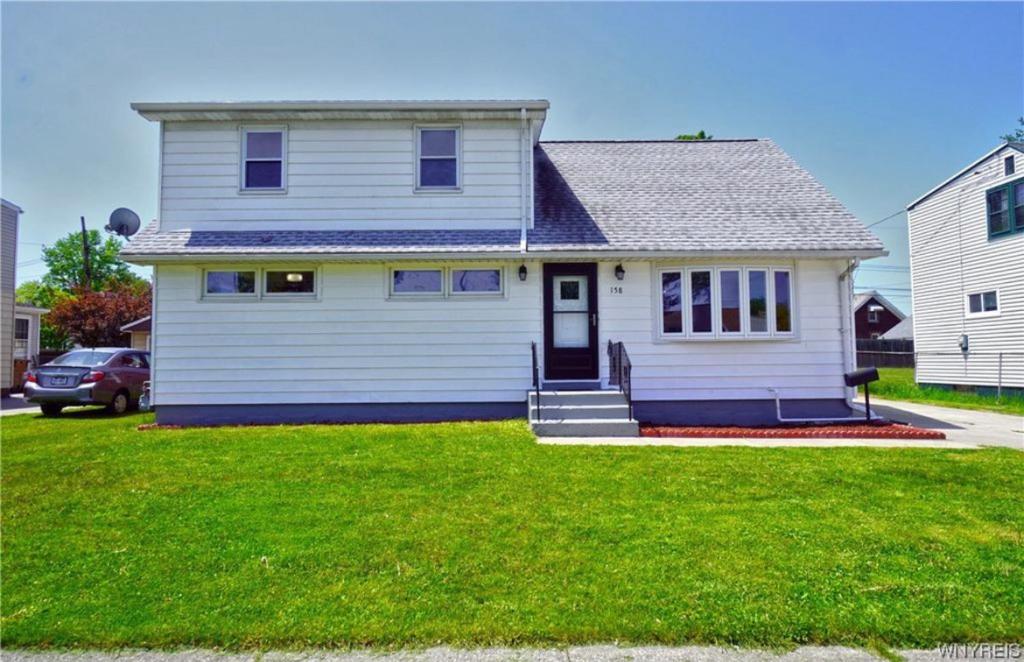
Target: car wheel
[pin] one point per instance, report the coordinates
(119, 404)
(50, 409)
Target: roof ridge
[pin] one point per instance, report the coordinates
(661, 140)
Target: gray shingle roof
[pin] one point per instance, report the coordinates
(704, 196)
(716, 196)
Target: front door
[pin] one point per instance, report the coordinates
(570, 321)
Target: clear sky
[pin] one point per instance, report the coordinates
(879, 101)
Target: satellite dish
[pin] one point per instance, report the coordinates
(123, 221)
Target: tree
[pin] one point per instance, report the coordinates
(66, 268)
(94, 319)
(700, 135)
(37, 294)
(1018, 133)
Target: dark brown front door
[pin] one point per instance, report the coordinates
(570, 321)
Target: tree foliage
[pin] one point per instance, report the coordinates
(35, 293)
(94, 319)
(65, 264)
(1018, 133)
(700, 135)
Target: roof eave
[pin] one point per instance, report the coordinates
(256, 110)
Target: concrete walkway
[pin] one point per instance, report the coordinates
(981, 428)
(572, 654)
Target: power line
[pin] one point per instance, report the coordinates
(893, 215)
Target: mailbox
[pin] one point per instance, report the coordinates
(863, 377)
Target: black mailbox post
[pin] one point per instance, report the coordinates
(863, 376)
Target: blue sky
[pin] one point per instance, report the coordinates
(879, 101)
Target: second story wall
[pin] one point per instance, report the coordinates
(341, 175)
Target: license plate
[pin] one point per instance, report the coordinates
(58, 381)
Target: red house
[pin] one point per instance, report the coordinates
(873, 315)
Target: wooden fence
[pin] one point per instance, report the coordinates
(885, 353)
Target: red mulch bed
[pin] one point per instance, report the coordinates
(879, 430)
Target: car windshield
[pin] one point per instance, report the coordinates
(86, 358)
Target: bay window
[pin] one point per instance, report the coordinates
(733, 302)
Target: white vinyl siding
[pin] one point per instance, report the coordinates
(341, 175)
(954, 214)
(808, 365)
(353, 345)
(8, 260)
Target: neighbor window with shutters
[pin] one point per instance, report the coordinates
(1004, 206)
(437, 158)
(263, 159)
(726, 303)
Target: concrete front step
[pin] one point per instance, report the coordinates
(619, 427)
(559, 398)
(580, 412)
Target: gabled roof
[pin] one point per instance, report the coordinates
(709, 196)
(902, 331)
(739, 197)
(141, 324)
(1012, 145)
(11, 205)
(863, 297)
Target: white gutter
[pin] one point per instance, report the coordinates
(846, 324)
(524, 140)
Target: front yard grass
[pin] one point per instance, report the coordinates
(898, 384)
(472, 534)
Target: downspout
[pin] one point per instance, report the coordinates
(846, 341)
(524, 141)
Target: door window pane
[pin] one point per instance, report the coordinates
(570, 312)
(758, 301)
(476, 280)
(21, 328)
(730, 293)
(783, 306)
(700, 301)
(230, 282)
(416, 281)
(290, 282)
(671, 303)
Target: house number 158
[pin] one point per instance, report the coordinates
(616, 289)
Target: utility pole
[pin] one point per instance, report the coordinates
(85, 257)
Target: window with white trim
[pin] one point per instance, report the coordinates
(446, 282)
(289, 282)
(263, 158)
(983, 304)
(437, 158)
(476, 281)
(229, 283)
(417, 282)
(726, 303)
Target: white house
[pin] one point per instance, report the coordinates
(966, 262)
(364, 261)
(9, 213)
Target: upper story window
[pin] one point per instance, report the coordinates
(726, 303)
(263, 158)
(983, 304)
(1004, 207)
(1008, 166)
(437, 158)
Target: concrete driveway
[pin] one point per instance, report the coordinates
(15, 404)
(966, 426)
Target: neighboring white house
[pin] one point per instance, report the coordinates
(139, 331)
(9, 213)
(398, 261)
(967, 262)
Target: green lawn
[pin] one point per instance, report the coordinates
(467, 534)
(898, 384)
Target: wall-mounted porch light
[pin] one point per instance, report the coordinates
(522, 272)
(620, 273)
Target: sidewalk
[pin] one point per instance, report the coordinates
(965, 426)
(572, 654)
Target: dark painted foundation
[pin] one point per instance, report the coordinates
(671, 412)
(734, 412)
(380, 412)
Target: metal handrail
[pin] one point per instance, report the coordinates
(536, 376)
(620, 372)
